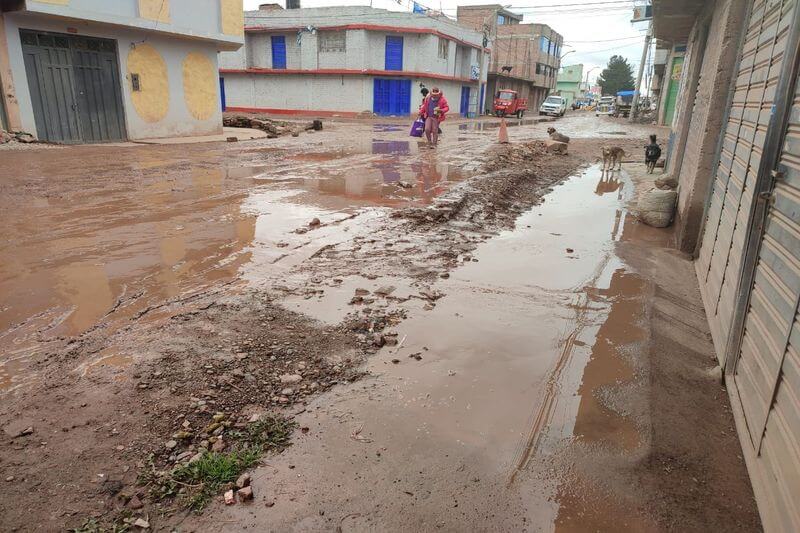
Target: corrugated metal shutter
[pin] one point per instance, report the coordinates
(719, 262)
(767, 373)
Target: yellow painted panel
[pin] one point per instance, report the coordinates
(199, 85)
(157, 10)
(232, 16)
(152, 100)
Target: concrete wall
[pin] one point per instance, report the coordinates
(699, 117)
(219, 20)
(323, 94)
(170, 113)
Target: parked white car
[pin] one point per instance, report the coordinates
(553, 105)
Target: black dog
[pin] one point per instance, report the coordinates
(652, 152)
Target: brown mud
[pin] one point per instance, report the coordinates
(464, 341)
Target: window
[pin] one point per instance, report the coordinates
(546, 45)
(443, 48)
(332, 41)
(501, 19)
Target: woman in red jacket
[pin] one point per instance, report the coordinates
(433, 110)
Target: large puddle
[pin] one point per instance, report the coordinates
(113, 237)
(466, 424)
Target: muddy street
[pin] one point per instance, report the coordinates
(476, 337)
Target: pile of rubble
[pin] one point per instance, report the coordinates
(274, 128)
(16, 136)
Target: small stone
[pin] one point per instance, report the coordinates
(405, 184)
(142, 523)
(245, 494)
(27, 431)
(254, 418)
(243, 481)
(135, 502)
(291, 378)
(385, 291)
(269, 503)
(229, 499)
(287, 391)
(570, 250)
(444, 275)
(170, 444)
(218, 446)
(361, 292)
(451, 372)
(196, 457)
(314, 223)
(378, 340)
(10, 478)
(396, 361)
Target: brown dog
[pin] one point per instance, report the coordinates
(613, 154)
(554, 135)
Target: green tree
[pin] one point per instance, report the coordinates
(617, 76)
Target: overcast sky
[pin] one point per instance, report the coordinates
(594, 29)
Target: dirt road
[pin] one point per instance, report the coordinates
(468, 338)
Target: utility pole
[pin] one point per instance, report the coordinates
(647, 39)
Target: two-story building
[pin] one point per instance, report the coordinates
(524, 57)
(75, 71)
(346, 61)
(570, 83)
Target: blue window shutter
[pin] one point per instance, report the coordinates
(278, 51)
(394, 53)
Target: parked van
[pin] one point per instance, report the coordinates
(553, 105)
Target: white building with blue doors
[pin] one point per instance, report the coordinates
(345, 61)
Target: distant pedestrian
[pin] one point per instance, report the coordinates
(433, 110)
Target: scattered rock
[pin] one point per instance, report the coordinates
(141, 523)
(245, 494)
(385, 291)
(228, 497)
(170, 444)
(396, 361)
(243, 481)
(291, 378)
(570, 250)
(27, 431)
(232, 139)
(135, 502)
(314, 223)
(287, 391)
(451, 372)
(405, 184)
(218, 446)
(10, 478)
(416, 355)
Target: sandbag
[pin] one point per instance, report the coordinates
(656, 207)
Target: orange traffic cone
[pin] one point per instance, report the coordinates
(502, 136)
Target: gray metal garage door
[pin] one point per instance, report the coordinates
(719, 261)
(767, 371)
(75, 87)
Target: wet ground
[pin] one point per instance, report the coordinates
(526, 392)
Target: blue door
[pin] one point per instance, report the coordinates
(222, 92)
(394, 53)
(480, 102)
(391, 97)
(278, 51)
(464, 109)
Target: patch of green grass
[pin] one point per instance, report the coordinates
(195, 484)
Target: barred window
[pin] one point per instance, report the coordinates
(332, 41)
(443, 48)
